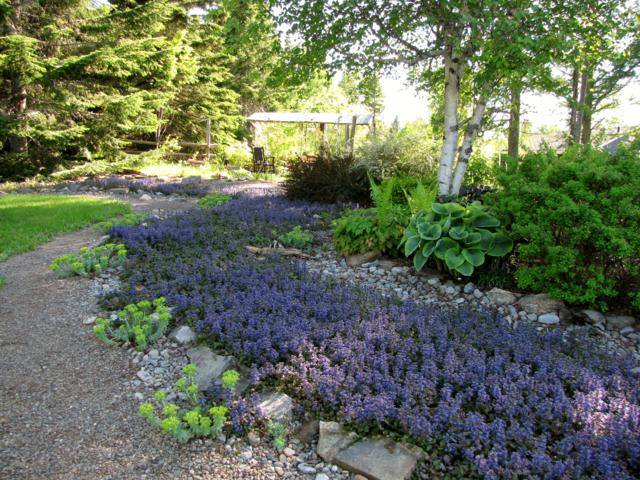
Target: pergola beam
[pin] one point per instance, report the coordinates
(303, 117)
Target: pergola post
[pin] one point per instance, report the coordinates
(352, 138)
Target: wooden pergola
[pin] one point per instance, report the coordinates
(350, 122)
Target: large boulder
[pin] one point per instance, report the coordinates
(542, 303)
(210, 365)
(379, 459)
(501, 297)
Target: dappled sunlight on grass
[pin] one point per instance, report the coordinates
(27, 221)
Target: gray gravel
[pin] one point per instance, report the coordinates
(66, 403)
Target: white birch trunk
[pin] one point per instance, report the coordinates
(470, 135)
(452, 72)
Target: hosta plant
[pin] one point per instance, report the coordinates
(90, 260)
(141, 323)
(185, 423)
(459, 237)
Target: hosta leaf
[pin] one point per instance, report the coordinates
(443, 245)
(439, 208)
(453, 258)
(411, 245)
(473, 238)
(454, 209)
(465, 268)
(486, 239)
(458, 233)
(430, 231)
(419, 260)
(428, 248)
(474, 256)
(484, 220)
(501, 245)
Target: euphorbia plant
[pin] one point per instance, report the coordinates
(460, 237)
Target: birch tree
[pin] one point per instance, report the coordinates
(486, 40)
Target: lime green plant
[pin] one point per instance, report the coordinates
(230, 380)
(142, 323)
(90, 260)
(129, 219)
(214, 200)
(298, 237)
(185, 423)
(458, 236)
(278, 434)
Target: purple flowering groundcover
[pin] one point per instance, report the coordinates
(498, 402)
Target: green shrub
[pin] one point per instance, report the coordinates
(214, 200)
(410, 151)
(141, 323)
(327, 179)
(380, 228)
(94, 260)
(481, 171)
(296, 238)
(356, 232)
(185, 424)
(575, 219)
(458, 237)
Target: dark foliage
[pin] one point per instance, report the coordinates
(327, 179)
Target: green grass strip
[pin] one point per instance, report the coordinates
(27, 221)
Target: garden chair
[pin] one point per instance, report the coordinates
(261, 162)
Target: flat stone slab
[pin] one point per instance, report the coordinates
(379, 459)
(332, 439)
(183, 335)
(210, 365)
(276, 406)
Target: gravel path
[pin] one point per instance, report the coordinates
(66, 408)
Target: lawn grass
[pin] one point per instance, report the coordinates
(27, 221)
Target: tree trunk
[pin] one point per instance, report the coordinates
(585, 137)
(573, 112)
(452, 73)
(470, 135)
(513, 148)
(577, 133)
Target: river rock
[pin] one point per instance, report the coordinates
(501, 297)
(183, 335)
(276, 406)
(542, 303)
(360, 258)
(549, 319)
(592, 316)
(620, 321)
